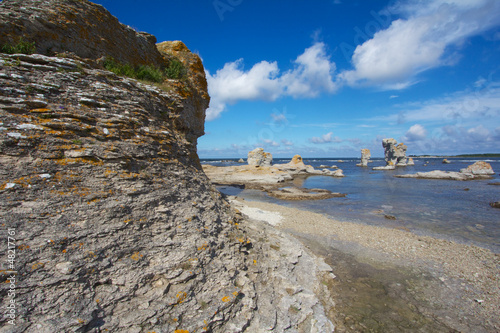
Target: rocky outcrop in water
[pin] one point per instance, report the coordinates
(272, 178)
(495, 204)
(258, 157)
(478, 170)
(395, 154)
(365, 157)
(116, 227)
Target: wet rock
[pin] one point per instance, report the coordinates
(296, 193)
(438, 174)
(495, 204)
(445, 161)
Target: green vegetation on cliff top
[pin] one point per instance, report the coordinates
(174, 70)
(21, 46)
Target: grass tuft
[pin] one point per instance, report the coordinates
(175, 70)
(20, 47)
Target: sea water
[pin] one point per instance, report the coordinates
(453, 210)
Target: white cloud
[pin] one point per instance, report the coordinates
(482, 105)
(313, 74)
(286, 142)
(271, 143)
(419, 40)
(415, 133)
(326, 138)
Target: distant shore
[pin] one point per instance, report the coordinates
(468, 273)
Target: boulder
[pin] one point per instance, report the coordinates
(495, 204)
(258, 157)
(410, 162)
(297, 161)
(479, 168)
(241, 160)
(365, 157)
(445, 161)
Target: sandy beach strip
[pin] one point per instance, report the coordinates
(474, 266)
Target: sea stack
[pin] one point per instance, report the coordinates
(395, 154)
(258, 157)
(365, 157)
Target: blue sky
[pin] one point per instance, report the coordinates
(328, 78)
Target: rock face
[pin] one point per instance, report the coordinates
(395, 154)
(258, 157)
(116, 227)
(83, 28)
(365, 157)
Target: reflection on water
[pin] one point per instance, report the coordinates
(450, 209)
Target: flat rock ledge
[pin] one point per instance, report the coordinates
(296, 193)
(478, 170)
(272, 178)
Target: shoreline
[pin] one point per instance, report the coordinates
(470, 293)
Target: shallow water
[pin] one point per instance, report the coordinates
(455, 210)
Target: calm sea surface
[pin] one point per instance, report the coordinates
(455, 210)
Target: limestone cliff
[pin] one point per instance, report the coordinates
(80, 27)
(116, 227)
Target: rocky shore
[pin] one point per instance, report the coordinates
(443, 294)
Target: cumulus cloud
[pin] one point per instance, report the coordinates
(416, 133)
(313, 73)
(419, 40)
(326, 138)
(286, 142)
